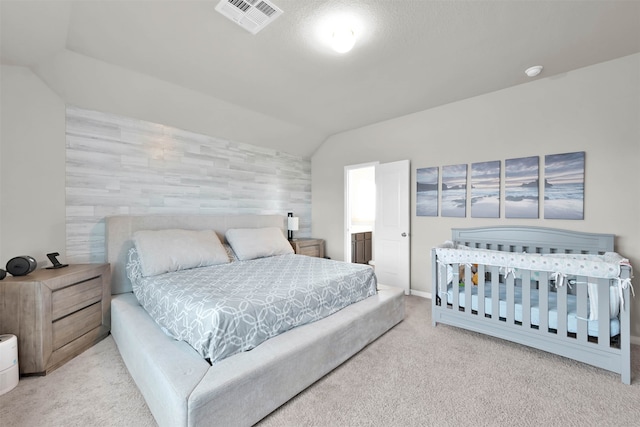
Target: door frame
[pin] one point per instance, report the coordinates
(347, 208)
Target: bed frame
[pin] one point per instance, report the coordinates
(182, 389)
(605, 352)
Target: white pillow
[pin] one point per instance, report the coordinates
(250, 243)
(161, 251)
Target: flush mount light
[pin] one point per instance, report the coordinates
(342, 39)
(533, 71)
(337, 31)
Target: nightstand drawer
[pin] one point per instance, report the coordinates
(75, 297)
(310, 250)
(75, 325)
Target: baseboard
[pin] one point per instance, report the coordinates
(421, 294)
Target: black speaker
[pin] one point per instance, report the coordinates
(3, 274)
(21, 265)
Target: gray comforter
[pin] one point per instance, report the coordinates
(226, 309)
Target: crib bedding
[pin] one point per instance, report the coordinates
(572, 318)
(606, 265)
(225, 309)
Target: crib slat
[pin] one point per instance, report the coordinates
(511, 305)
(481, 290)
(543, 302)
(562, 309)
(526, 299)
(604, 331)
(441, 278)
(455, 288)
(516, 248)
(581, 289)
(468, 286)
(442, 285)
(624, 316)
(495, 293)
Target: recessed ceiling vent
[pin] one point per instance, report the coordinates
(252, 15)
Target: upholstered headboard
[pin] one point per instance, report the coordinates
(120, 229)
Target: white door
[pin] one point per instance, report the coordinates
(391, 234)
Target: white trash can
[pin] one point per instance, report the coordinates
(9, 371)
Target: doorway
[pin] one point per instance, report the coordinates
(360, 206)
(377, 206)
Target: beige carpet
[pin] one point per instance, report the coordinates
(415, 375)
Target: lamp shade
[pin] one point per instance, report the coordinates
(292, 223)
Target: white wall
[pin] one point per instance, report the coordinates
(594, 109)
(96, 85)
(32, 176)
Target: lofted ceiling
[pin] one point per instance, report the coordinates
(409, 55)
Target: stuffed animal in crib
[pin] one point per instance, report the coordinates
(474, 272)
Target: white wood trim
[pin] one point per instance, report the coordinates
(421, 294)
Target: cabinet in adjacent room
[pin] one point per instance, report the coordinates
(361, 247)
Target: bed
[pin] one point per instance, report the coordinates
(187, 387)
(564, 292)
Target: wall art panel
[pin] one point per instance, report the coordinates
(427, 191)
(564, 186)
(454, 191)
(485, 189)
(521, 187)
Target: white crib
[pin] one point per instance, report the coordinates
(560, 291)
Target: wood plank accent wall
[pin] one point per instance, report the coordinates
(118, 165)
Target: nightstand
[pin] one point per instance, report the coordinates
(56, 314)
(310, 247)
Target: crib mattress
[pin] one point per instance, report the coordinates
(572, 320)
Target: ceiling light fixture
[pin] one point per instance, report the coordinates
(533, 71)
(342, 39)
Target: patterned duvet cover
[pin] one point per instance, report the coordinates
(226, 309)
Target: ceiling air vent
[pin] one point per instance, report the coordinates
(252, 15)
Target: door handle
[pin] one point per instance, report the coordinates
(404, 234)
